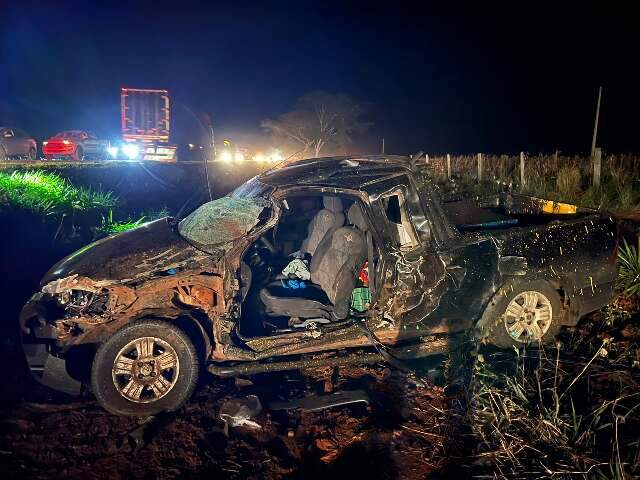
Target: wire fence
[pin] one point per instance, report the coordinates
(604, 180)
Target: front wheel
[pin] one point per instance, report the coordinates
(32, 154)
(531, 313)
(146, 368)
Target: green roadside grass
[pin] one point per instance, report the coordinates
(49, 194)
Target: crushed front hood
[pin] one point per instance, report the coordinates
(138, 253)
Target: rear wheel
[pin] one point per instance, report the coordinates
(531, 313)
(146, 368)
(3, 154)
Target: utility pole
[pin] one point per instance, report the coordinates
(206, 119)
(383, 145)
(595, 127)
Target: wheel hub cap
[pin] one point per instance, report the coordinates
(145, 369)
(528, 317)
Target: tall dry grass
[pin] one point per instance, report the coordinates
(558, 177)
(553, 417)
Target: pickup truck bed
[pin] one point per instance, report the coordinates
(504, 211)
(571, 246)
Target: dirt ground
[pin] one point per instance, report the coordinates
(402, 433)
(412, 427)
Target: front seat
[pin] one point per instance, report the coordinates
(326, 221)
(334, 272)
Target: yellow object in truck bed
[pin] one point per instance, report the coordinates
(549, 206)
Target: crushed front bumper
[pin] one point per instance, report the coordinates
(38, 341)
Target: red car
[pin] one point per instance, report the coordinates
(74, 144)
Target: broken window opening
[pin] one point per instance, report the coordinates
(396, 212)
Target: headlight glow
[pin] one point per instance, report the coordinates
(66, 142)
(113, 151)
(239, 157)
(130, 150)
(276, 156)
(225, 156)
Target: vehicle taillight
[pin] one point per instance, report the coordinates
(66, 142)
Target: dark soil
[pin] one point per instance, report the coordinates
(405, 432)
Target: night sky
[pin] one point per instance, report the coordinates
(439, 83)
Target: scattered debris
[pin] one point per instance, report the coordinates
(313, 403)
(239, 412)
(242, 382)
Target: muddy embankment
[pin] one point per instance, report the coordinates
(32, 243)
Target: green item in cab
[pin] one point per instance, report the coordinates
(360, 299)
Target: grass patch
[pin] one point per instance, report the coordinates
(629, 269)
(49, 194)
(555, 417)
(110, 225)
(568, 183)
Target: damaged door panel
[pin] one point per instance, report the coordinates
(148, 307)
(413, 275)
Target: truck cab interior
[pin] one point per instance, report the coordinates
(303, 273)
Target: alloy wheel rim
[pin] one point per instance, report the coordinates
(145, 370)
(528, 317)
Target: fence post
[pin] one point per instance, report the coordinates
(480, 167)
(523, 180)
(597, 166)
(448, 167)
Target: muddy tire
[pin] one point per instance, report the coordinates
(529, 314)
(146, 368)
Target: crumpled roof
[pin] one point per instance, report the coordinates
(222, 221)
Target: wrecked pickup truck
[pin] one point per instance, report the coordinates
(320, 262)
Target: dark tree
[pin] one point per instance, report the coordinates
(319, 121)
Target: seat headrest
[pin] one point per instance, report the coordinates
(333, 204)
(355, 217)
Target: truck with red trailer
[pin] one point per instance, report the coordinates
(145, 123)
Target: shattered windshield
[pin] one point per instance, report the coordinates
(228, 218)
(252, 189)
